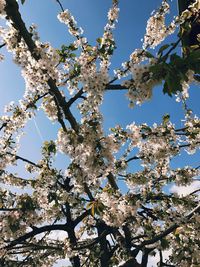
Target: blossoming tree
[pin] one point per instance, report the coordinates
(104, 225)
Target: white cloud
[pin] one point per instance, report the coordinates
(62, 263)
(58, 235)
(185, 190)
(153, 260)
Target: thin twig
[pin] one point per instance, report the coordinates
(2, 45)
(60, 5)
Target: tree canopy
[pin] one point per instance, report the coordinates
(99, 209)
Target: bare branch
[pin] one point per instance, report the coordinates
(2, 45)
(60, 5)
(35, 232)
(25, 160)
(111, 87)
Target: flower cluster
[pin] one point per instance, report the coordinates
(34, 70)
(134, 134)
(193, 134)
(142, 84)
(113, 13)
(91, 152)
(49, 107)
(12, 126)
(2, 6)
(185, 175)
(94, 84)
(66, 18)
(184, 94)
(117, 208)
(156, 30)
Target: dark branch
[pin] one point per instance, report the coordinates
(112, 182)
(110, 87)
(12, 10)
(2, 45)
(60, 5)
(93, 242)
(37, 231)
(25, 160)
(170, 229)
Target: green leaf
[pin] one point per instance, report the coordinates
(23, 1)
(148, 54)
(166, 89)
(165, 243)
(64, 47)
(72, 55)
(72, 47)
(14, 226)
(159, 70)
(164, 47)
(197, 78)
(89, 48)
(99, 40)
(48, 148)
(93, 209)
(193, 61)
(166, 118)
(172, 82)
(177, 61)
(33, 183)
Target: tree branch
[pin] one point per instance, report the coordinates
(93, 242)
(37, 231)
(171, 229)
(110, 87)
(25, 160)
(60, 5)
(2, 45)
(12, 10)
(112, 182)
